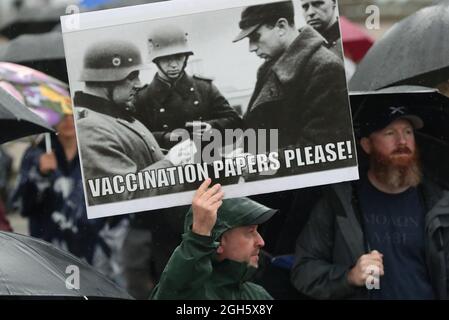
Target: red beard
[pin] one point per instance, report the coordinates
(400, 169)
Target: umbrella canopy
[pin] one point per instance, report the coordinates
(414, 51)
(47, 96)
(17, 121)
(356, 42)
(31, 267)
(33, 20)
(31, 47)
(43, 52)
(431, 106)
(428, 103)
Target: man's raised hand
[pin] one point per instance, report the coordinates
(205, 205)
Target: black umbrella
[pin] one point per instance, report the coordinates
(33, 20)
(17, 121)
(30, 267)
(43, 52)
(414, 51)
(29, 47)
(427, 103)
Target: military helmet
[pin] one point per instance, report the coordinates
(110, 61)
(167, 41)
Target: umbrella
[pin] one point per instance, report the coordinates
(30, 267)
(47, 96)
(414, 51)
(17, 121)
(43, 52)
(33, 20)
(29, 47)
(427, 103)
(356, 42)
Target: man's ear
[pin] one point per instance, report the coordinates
(366, 145)
(220, 248)
(282, 24)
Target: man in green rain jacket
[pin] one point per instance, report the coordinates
(219, 252)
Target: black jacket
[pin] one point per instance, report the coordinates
(163, 108)
(333, 38)
(333, 240)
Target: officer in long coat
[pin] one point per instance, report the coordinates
(301, 87)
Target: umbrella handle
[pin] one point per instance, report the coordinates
(47, 142)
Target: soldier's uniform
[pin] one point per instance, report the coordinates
(112, 141)
(113, 144)
(163, 107)
(333, 38)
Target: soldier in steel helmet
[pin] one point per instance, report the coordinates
(174, 99)
(112, 141)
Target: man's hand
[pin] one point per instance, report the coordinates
(205, 205)
(361, 271)
(47, 163)
(197, 128)
(182, 153)
(175, 136)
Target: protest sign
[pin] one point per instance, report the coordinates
(170, 93)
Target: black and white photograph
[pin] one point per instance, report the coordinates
(251, 94)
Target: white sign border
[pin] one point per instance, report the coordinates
(231, 191)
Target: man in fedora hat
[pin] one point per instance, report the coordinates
(385, 236)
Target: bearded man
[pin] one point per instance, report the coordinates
(385, 236)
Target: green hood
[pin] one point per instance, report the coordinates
(234, 213)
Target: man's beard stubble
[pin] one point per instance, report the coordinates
(397, 172)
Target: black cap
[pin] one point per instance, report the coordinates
(375, 119)
(254, 16)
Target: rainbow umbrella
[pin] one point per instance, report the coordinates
(44, 95)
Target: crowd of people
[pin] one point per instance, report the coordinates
(384, 236)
